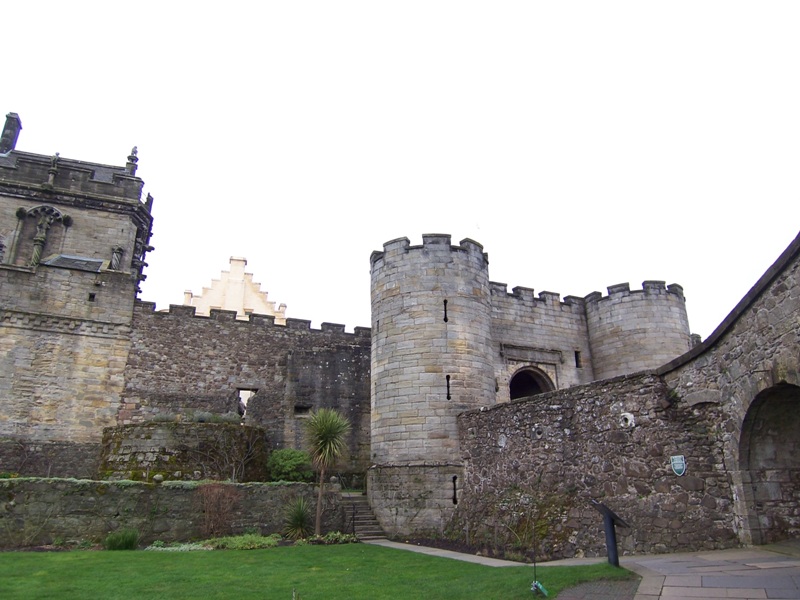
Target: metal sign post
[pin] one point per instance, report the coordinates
(610, 519)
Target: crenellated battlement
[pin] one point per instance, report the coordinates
(527, 295)
(56, 174)
(229, 316)
(649, 288)
(432, 243)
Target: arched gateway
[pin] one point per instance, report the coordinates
(769, 460)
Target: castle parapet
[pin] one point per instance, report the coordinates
(528, 299)
(71, 176)
(431, 243)
(649, 288)
(217, 314)
(298, 324)
(182, 311)
(550, 297)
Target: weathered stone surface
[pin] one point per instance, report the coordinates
(37, 511)
(749, 367)
(586, 454)
(181, 364)
(221, 451)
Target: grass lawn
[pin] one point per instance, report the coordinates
(316, 572)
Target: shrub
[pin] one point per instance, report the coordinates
(297, 519)
(124, 539)
(288, 464)
(217, 502)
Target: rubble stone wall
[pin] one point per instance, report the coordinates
(184, 451)
(39, 511)
(181, 363)
(548, 457)
(748, 376)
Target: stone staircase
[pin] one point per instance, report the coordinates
(359, 516)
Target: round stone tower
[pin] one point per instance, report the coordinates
(636, 330)
(431, 359)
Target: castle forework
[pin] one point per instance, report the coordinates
(470, 405)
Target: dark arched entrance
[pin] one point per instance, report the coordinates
(529, 382)
(769, 459)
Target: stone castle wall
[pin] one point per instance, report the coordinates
(181, 363)
(38, 511)
(543, 460)
(747, 375)
(542, 332)
(728, 406)
(586, 339)
(184, 451)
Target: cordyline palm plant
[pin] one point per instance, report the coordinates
(326, 431)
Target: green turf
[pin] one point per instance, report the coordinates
(315, 572)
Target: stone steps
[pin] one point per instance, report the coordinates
(359, 518)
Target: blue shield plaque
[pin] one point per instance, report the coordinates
(678, 464)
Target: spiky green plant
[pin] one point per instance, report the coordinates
(297, 519)
(124, 539)
(326, 430)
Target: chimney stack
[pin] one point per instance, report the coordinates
(11, 130)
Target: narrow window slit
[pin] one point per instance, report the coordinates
(445, 311)
(448, 387)
(455, 492)
(578, 363)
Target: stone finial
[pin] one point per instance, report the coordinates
(52, 171)
(8, 140)
(133, 158)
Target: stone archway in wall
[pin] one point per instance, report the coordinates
(769, 460)
(529, 381)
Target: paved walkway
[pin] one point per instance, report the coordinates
(756, 573)
(749, 573)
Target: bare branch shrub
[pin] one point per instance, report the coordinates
(217, 502)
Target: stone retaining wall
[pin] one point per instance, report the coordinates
(38, 511)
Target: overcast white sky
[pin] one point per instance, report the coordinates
(584, 144)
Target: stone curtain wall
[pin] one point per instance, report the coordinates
(49, 459)
(37, 511)
(540, 331)
(181, 364)
(741, 375)
(540, 461)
